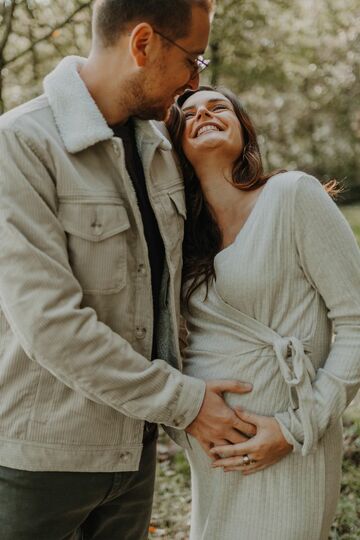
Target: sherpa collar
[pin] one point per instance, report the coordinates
(77, 116)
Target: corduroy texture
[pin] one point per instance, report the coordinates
(291, 277)
(76, 315)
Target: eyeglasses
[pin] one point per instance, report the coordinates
(199, 63)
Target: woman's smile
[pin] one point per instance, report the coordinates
(205, 128)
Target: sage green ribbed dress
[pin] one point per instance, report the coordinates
(290, 279)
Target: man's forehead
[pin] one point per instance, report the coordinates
(197, 39)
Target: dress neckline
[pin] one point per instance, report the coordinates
(247, 222)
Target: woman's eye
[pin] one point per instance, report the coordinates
(219, 107)
(189, 115)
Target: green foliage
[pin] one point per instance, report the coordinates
(347, 522)
(295, 64)
(352, 214)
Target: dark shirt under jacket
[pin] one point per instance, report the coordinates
(153, 238)
(155, 244)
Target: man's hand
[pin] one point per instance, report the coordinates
(216, 422)
(267, 447)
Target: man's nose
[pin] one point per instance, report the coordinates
(193, 83)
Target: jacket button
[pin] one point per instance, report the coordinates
(142, 269)
(116, 149)
(140, 333)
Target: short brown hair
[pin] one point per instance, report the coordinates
(173, 17)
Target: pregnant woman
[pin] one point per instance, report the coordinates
(271, 274)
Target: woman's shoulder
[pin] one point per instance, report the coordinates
(291, 185)
(290, 181)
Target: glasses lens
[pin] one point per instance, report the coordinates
(202, 64)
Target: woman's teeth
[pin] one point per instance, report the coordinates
(207, 128)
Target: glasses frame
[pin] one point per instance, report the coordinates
(200, 63)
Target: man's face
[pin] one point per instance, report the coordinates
(172, 71)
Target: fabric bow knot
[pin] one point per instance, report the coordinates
(299, 373)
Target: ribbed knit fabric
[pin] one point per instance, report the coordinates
(291, 276)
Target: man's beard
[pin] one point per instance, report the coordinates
(145, 107)
(151, 112)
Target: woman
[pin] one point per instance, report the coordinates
(270, 269)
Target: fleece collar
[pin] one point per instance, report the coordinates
(77, 116)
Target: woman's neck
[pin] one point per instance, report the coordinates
(229, 205)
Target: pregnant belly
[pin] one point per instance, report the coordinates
(270, 393)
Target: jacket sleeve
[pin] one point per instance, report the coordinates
(41, 300)
(330, 259)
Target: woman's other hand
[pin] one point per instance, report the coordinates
(266, 448)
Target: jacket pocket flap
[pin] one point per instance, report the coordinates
(94, 222)
(178, 198)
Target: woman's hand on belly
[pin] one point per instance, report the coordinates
(266, 448)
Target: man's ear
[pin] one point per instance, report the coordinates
(141, 39)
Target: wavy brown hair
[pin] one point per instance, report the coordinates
(202, 240)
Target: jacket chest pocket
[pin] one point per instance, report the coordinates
(174, 211)
(97, 245)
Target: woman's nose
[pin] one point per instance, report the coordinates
(202, 111)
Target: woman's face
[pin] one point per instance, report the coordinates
(210, 124)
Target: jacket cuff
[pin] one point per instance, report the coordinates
(188, 403)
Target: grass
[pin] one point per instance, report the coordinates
(352, 214)
(172, 502)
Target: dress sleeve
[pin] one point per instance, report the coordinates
(330, 258)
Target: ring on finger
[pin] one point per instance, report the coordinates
(246, 460)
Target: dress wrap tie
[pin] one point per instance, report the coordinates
(299, 373)
(295, 365)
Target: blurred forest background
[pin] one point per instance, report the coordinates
(296, 65)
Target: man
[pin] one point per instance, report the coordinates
(91, 214)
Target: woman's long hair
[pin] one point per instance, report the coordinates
(202, 239)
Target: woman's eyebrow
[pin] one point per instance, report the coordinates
(214, 100)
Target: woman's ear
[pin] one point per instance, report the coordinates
(141, 39)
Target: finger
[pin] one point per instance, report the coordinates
(244, 427)
(235, 449)
(222, 443)
(236, 461)
(254, 466)
(247, 417)
(237, 387)
(256, 469)
(235, 437)
(239, 465)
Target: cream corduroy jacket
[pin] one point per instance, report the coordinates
(76, 317)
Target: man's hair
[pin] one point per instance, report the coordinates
(173, 17)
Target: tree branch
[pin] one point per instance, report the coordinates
(47, 35)
(8, 24)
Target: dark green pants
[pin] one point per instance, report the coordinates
(78, 506)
